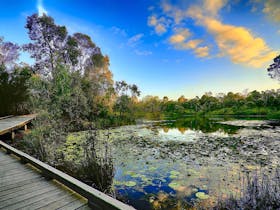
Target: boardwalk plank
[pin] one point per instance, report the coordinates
(23, 191)
(12, 171)
(84, 207)
(7, 162)
(50, 198)
(25, 199)
(18, 175)
(73, 205)
(9, 184)
(38, 201)
(17, 178)
(22, 187)
(19, 184)
(63, 201)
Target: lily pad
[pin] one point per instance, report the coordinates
(174, 185)
(130, 183)
(201, 195)
(152, 168)
(133, 174)
(173, 172)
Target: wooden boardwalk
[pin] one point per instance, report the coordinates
(12, 123)
(27, 183)
(24, 187)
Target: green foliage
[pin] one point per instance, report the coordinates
(14, 90)
(255, 103)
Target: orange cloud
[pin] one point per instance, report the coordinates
(213, 6)
(180, 36)
(177, 38)
(179, 42)
(236, 42)
(202, 51)
(159, 24)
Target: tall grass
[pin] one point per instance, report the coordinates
(260, 192)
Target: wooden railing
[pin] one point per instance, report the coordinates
(96, 199)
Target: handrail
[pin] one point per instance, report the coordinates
(5, 117)
(96, 199)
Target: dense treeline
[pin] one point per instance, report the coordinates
(252, 103)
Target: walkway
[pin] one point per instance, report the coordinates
(24, 187)
(12, 123)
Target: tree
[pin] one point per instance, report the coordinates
(126, 97)
(182, 99)
(274, 69)
(90, 55)
(51, 46)
(9, 53)
(47, 44)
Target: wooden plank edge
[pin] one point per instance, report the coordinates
(96, 199)
(5, 117)
(10, 129)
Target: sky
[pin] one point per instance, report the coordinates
(168, 47)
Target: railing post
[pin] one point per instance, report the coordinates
(13, 135)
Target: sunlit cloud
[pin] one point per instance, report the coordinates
(214, 6)
(40, 8)
(181, 35)
(238, 43)
(160, 24)
(194, 45)
(202, 51)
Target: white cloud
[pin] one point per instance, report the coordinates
(40, 7)
(143, 52)
(133, 41)
(118, 31)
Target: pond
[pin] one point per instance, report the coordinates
(173, 163)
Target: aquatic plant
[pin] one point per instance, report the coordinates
(259, 192)
(201, 195)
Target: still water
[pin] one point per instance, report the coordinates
(171, 164)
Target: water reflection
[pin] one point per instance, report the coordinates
(200, 124)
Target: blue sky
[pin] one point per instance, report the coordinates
(170, 48)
